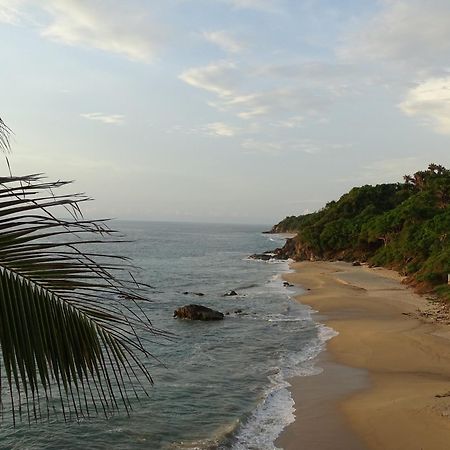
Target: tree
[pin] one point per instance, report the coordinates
(72, 318)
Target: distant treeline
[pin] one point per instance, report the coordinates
(404, 226)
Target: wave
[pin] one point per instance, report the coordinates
(276, 410)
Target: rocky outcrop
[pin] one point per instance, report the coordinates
(295, 249)
(266, 256)
(197, 312)
(230, 294)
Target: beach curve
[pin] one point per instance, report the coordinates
(395, 393)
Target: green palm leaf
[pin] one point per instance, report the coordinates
(72, 328)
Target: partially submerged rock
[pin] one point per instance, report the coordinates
(197, 312)
(230, 294)
(198, 294)
(237, 312)
(266, 256)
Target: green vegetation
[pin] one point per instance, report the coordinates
(403, 226)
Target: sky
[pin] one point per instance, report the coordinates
(241, 111)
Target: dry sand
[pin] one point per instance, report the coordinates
(386, 379)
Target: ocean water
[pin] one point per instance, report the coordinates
(218, 385)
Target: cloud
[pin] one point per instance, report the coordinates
(291, 122)
(408, 32)
(430, 101)
(219, 78)
(119, 28)
(388, 170)
(252, 92)
(97, 24)
(110, 119)
(224, 41)
(268, 6)
(277, 146)
(220, 129)
(259, 146)
(10, 12)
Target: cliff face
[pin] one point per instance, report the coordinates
(296, 250)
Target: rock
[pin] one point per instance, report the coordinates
(197, 312)
(287, 284)
(262, 256)
(236, 311)
(230, 294)
(356, 263)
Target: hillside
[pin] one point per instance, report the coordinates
(403, 226)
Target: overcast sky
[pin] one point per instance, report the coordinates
(224, 110)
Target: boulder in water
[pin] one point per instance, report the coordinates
(197, 312)
(230, 294)
(198, 294)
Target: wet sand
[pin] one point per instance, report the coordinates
(386, 375)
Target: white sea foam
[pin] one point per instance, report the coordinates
(276, 410)
(267, 421)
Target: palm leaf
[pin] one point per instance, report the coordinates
(72, 328)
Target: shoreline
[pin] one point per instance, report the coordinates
(395, 394)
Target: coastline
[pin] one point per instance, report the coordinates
(389, 366)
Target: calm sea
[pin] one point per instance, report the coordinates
(223, 384)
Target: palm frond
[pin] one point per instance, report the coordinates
(72, 328)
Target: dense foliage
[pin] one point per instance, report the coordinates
(404, 226)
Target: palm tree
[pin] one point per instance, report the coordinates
(72, 319)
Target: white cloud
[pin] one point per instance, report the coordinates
(93, 23)
(408, 32)
(224, 41)
(269, 6)
(10, 11)
(219, 78)
(220, 129)
(259, 146)
(277, 146)
(252, 92)
(110, 119)
(430, 101)
(389, 170)
(120, 28)
(291, 122)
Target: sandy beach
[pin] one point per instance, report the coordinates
(386, 378)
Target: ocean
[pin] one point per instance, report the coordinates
(218, 385)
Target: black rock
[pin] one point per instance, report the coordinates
(356, 263)
(230, 294)
(197, 312)
(267, 256)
